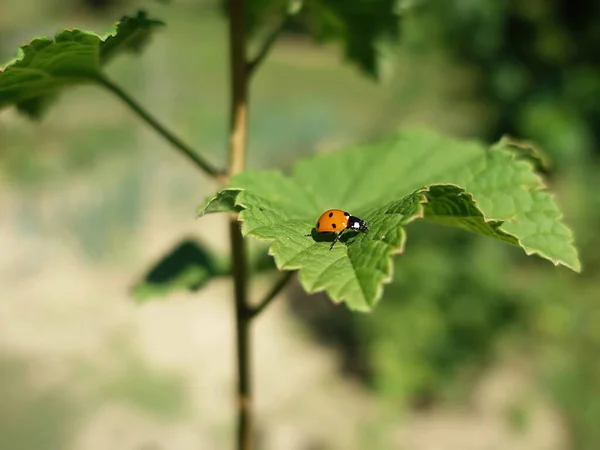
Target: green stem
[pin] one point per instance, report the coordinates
(272, 294)
(242, 325)
(240, 71)
(200, 162)
(238, 126)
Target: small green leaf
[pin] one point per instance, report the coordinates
(187, 267)
(414, 174)
(224, 202)
(44, 66)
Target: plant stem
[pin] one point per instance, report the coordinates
(277, 288)
(242, 322)
(237, 160)
(239, 87)
(192, 155)
(240, 71)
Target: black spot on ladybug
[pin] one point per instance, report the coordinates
(318, 226)
(331, 215)
(333, 225)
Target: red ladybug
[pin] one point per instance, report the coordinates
(337, 221)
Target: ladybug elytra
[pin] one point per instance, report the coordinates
(337, 222)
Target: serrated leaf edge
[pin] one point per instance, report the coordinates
(319, 287)
(542, 187)
(111, 33)
(388, 272)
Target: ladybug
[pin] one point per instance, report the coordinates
(337, 222)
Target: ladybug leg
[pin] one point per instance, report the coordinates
(336, 238)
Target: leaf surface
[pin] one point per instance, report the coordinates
(44, 66)
(412, 175)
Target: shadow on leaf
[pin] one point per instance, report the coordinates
(321, 237)
(329, 237)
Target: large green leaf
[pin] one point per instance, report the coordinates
(44, 66)
(413, 174)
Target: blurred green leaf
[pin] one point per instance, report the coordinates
(414, 174)
(43, 67)
(260, 12)
(358, 26)
(189, 266)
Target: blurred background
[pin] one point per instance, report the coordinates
(474, 345)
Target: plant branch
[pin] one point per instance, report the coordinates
(267, 46)
(272, 294)
(192, 155)
(237, 161)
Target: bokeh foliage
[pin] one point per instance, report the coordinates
(537, 71)
(537, 75)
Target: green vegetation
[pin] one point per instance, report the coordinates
(389, 184)
(455, 301)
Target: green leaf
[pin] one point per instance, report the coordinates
(527, 150)
(412, 175)
(358, 26)
(44, 66)
(189, 266)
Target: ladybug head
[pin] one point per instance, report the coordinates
(356, 224)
